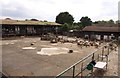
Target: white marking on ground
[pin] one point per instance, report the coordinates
(29, 48)
(54, 44)
(53, 51)
(26, 41)
(75, 51)
(45, 46)
(6, 43)
(11, 43)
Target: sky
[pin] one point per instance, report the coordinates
(49, 9)
(119, 10)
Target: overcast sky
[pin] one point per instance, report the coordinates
(49, 9)
(119, 10)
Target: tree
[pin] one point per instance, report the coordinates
(85, 21)
(64, 17)
(117, 22)
(100, 22)
(34, 20)
(77, 26)
(65, 27)
(111, 21)
(104, 23)
(8, 19)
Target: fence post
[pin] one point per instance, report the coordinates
(92, 60)
(108, 50)
(73, 71)
(93, 57)
(102, 53)
(81, 69)
(98, 57)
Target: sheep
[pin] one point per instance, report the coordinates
(80, 43)
(97, 44)
(113, 46)
(86, 43)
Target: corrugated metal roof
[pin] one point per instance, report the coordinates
(28, 22)
(102, 28)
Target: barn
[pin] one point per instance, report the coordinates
(27, 27)
(101, 32)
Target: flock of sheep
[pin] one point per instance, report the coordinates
(112, 46)
(80, 42)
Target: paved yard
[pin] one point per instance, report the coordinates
(26, 62)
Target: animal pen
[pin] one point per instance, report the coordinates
(83, 67)
(27, 27)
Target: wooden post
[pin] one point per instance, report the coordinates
(93, 57)
(108, 50)
(102, 37)
(98, 57)
(102, 53)
(93, 67)
(81, 69)
(106, 61)
(73, 71)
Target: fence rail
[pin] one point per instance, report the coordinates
(83, 62)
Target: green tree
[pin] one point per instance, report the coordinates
(85, 21)
(103, 22)
(111, 21)
(64, 17)
(117, 22)
(34, 19)
(65, 27)
(77, 26)
(100, 22)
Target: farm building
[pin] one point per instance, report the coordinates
(101, 32)
(27, 27)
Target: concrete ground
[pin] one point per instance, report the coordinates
(19, 62)
(112, 67)
(112, 64)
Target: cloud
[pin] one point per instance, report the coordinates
(110, 9)
(49, 9)
(14, 10)
(119, 10)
